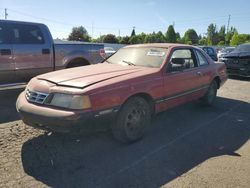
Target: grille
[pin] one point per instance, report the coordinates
(36, 97)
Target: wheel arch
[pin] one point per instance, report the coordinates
(76, 62)
(147, 97)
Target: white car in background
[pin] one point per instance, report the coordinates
(224, 52)
(109, 51)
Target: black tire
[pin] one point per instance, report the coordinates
(210, 96)
(131, 121)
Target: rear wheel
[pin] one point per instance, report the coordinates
(77, 63)
(132, 120)
(210, 96)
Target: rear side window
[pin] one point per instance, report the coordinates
(3, 34)
(201, 58)
(26, 34)
(209, 51)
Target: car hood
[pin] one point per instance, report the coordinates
(234, 54)
(81, 77)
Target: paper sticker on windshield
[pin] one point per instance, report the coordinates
(156, 53)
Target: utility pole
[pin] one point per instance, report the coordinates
(92, 29)
(119, 33)
(5, 13)
(228, 22)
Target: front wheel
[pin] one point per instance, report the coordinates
(132, 120)
(210, 96)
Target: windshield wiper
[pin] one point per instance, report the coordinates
(128, 62)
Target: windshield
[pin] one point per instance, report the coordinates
(109, 49)
(145, 57)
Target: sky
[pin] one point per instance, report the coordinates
(101, 17)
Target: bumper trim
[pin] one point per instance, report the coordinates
(55, 120)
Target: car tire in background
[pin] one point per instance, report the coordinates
(132, 119)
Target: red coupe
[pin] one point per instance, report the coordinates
(127, 89)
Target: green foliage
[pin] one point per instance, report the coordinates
(212, 34)
(134, 40)
(221, 43)
(239, 39)
(222, 34)
(203, 41)
(191, 37)
(124, 40)
(230, 34)
(213, 37)
(110, 39)
(171, 35)
(100, 39)
(79, 34)
(155, 38)
(133, 32)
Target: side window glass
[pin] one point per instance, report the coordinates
(181, 59)
(209, 51)
(201, 58)
(3, 34)
(27, 34)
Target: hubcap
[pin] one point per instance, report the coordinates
(134, 119)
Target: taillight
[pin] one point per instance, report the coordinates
(102, 53)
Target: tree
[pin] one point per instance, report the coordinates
(178, 38)
(124, 40)
(203, 41)
(230, 34)
(134, 40)
(79, 34)
(171, 35)
(133, 32)
(155, 38)
(239, 39)
(212, 34)
(110, 39)
(100, 39)
(222, 34)
(150, 38)
(191, 37)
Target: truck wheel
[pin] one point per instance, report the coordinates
(77, 63)
(210, 96)
(132, 120)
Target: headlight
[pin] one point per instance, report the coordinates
(74, 102)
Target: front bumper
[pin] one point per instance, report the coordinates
(238, 71)
(57, 120)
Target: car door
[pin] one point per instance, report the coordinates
(181, 80)
(32, 54)
(7, 65)
(203, 69)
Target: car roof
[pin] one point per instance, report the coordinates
(19, 22)
(158, 45)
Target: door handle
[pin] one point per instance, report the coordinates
(5, 52)
(199, 73)
(45, 51)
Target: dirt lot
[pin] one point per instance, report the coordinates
(189, 146)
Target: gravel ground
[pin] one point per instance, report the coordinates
(188, 146)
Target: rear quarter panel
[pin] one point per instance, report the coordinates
(65, 53)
